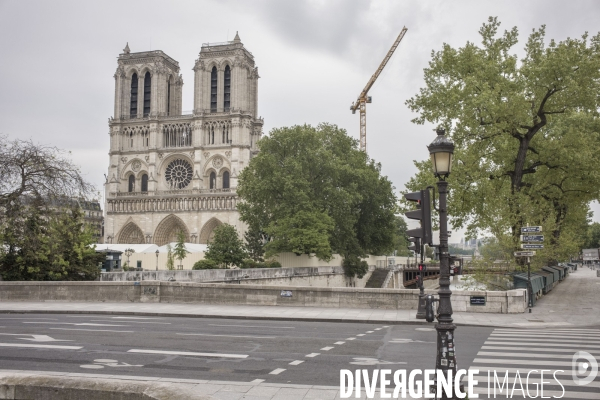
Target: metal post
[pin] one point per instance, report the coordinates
(422, 300)
(446, 355)
(529, 288)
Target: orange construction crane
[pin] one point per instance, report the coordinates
(363, 98)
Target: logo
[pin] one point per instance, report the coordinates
(580, 368)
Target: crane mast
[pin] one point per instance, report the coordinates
(360, 103)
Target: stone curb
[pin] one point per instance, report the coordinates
(264, 318)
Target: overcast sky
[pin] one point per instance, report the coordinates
(314, 58)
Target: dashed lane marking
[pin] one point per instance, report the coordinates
(351, 338)
(297, 362)
(378, 329)
(339, 342)
(251, 326)
(277, 371)
(361, 334)
(327, 348)
(312, 355)
(257, 381)
(369, 331)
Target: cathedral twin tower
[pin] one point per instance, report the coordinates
(171, 172)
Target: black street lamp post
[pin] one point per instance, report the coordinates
(157, 259)
(441, 151)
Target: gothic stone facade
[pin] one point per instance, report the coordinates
(171, 172)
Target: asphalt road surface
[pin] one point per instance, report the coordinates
(274, 351)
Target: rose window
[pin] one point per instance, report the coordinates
(178, 174)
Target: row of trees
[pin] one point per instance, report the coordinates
(42, 232)
(527, 135)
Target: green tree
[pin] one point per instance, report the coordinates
(401, 242)
(180, 251)
(72, 252)
(315, 193)
(254, 245)
(226, 248)
(592, 237)
(170, 258)
(526, 132)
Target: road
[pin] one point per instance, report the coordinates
(274, 351)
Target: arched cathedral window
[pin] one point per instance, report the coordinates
(144, 183)
(134, 96)
(131, 140)
(169, 97)
(227, 89)
(213, 180)
(226, 180)
(147, 90)
(131, 186)
(213, 90)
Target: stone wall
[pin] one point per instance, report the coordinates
(300, 276)
(512, 301)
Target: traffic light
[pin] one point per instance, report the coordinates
(422, 214)
(422, 267)
(416, 246)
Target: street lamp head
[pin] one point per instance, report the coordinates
(157, 253)
(441, 151)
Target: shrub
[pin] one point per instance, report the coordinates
(205, 264)
(272, 264)
(247, 263)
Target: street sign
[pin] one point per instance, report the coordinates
(524, 253)
(532, 238)
(532, 246)
(529, 229)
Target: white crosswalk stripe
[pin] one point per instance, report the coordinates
(509, 355)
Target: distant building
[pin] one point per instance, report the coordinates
(591, 256)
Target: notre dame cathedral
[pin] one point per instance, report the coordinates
(170, 171)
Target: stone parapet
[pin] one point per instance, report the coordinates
(512, 301)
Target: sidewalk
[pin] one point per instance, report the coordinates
(574, 302)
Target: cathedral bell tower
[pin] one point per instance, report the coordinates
(171, 172)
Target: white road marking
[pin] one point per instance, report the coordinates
(327, 348)
(71, 323)
(425, 329)
(297, 362)
(52, 319)
(132, 322)
(91, 366)
(257, 381)
(361, 334)
(235, 336)
(277, 371)
(187, 353)
(40, 346)
(545, 345)
(339, 342)
(540, 348)
(369, 331)
(378, 329)
(89, 330)
(312, 355)
(36, 338)
(351, 338)
(386, 326)
(252, 326)
(531, 355)
(134, 318)
(371, 361)
(521, 362)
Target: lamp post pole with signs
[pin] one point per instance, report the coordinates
(441, 151)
